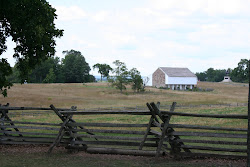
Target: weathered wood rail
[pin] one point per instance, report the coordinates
(156, 137)
(42, 111)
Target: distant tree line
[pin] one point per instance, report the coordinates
(72, 69)
(211, 75)
(238, 74)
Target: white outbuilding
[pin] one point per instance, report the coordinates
(174, 78)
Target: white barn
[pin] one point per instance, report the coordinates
(174, 78)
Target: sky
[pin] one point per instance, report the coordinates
(147, 34)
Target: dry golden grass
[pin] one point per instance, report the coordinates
(94, 95)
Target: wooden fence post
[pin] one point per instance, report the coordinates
(166, 120)
(5, 116)
(152, 119)
(60, 133)
(248, 130)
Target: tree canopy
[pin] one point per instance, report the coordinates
(120, 80)
(136, 80)
(30, 23)
(212, 75)
(39, 73)
(55, 70)
(103, 69)
(76, 69)
(50, 77)
(241, 72)
(238, 74)
(124, 77)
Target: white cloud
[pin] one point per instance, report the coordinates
(210, 7)
(116, 39)
(83, 43)
(235, 58)
(175, 47)
(147, 53)
(197, 34)
(226, 7)
(70, 13)
(233, 34)
(101, 16)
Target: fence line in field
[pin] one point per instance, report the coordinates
(36, 111)
(156, 137)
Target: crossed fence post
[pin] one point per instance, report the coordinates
(66, 128)
(164, 127)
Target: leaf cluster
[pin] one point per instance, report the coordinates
(5, 70)
(103, 69)
(30, 23)
(75, 68)
(136, 80)
(241, 72)
(72, 69)
(124, 77)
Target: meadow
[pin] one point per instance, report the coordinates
(95, 95)
(101, 95)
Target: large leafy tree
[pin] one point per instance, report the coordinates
(103, 69)
(50, 77)
(124, 77)
(202, 76)
(215, 75)
(120, 80)
(14, 77)
(5, 70)
(30, 23)
(76, 69)
(241, 72)
(39, 73)
(136, 80)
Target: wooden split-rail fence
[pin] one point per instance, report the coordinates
(156, 137)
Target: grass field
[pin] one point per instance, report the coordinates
(94, 95)
(98, 95)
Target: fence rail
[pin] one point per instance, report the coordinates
(157, 137)
(35, 111)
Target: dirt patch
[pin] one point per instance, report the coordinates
(41, 150)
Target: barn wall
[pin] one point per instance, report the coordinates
(182, 80)
(158, 78)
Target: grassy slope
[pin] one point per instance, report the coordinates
(93, 95)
